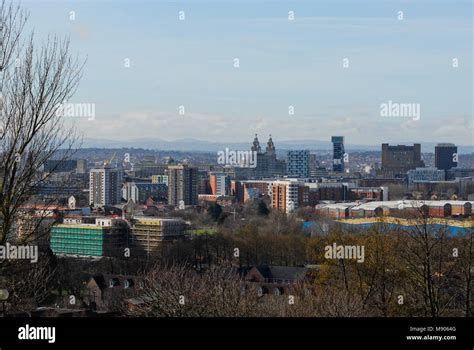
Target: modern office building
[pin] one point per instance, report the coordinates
(105, 237)
(105, 186)
(397, 160)
(338, 153)
(298, 163)
(446, 156)
(148, 233)
(425, 175)
(182, 185)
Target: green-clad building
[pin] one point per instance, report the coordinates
(107, 237)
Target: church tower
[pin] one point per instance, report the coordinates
(270, 147)
(256, 145)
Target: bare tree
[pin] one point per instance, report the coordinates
(180, 291)
(466, 262)
(28, 284)
(34, 82)
(430, 265)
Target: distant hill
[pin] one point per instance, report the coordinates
(207, 146)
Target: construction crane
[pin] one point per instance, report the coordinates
(109, 162)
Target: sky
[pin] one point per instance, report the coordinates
(326, 72)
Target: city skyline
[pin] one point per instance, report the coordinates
(172, 161)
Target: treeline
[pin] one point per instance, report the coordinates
(417, 271)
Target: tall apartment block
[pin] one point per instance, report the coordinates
(446, 156)
(105, 186)
(338, 154)
(397, 160)
(182, 185)
(298, 163)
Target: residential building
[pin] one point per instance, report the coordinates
(276, 280)
(182, 185)
(298, 163)
(286, 195)
(103, 291)
(105, 186)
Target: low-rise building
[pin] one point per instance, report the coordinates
(276, 280)
(425, 175)
(140, 192)
(105, 237)
(107, 291)
(148, 233)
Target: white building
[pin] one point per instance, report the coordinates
(285, 194)
(105, 186)
(220, 184)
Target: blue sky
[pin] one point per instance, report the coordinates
(299, 63)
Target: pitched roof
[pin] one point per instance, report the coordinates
(119, 281)
(282, 272)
